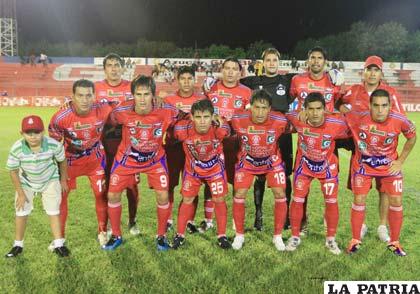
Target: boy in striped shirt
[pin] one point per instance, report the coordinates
(33, 168)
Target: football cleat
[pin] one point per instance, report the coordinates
(363, 231)
(332, 247)
(396, 248)
(102, 239)
(51, 247)
(258, 223)
(383, 233)
(238, 242)
(162, 243)
(178, 242)
(191, 228)
(224, 243)
(15, 251)
(134, 229)
(278, 242)
(354, 246)
(293, 243)
(62, 251)
(113, 243)
(205, 226)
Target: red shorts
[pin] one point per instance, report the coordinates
(230, 150)
(122, 178)
(302, 183)
(175, 158)
(191, 185)
(391, 185)
(93, 169)
(275, 178)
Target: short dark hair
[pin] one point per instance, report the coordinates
(113, 56)
(313, 97)
(82, 83)
(232, 59)
(270, 51)
(185, 69)
(261, 95)
(202, 105)
(143, 81)
(318, 49)
(379, 93)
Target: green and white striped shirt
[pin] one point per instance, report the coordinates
(36, 170)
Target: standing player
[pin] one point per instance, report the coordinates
(80, 126)
(140, 151)
(202, 143)
(375, 135)
(33, 168)
(114, 90)
(259, 130)
(227, 96)
(182, 100)
(278, 87)
(357, 99)
(316, 160)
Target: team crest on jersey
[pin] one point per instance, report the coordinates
(303, 95)
(157, 132)
(144, 135)
(311, 142)
(270, 139)
(374, 140)
(73, 134)
(362, 135)
(244, 138)
(328, 97)
(237, 103)
(362, 145)
(86, 135)
(132, 131)
(99, 129)
(389, 140)
(280, 90)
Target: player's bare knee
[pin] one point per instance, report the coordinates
(241, 193)
(219, 199)
(360, 199)
(162, 197)
(188, 200)
(395, 200)
(114, 197)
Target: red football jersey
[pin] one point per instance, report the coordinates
(358, 98)
(376, 143)
(259, 151)
(203, 152)
(142, 135)
(303, 84)
(81, 134)
(315, 153)
(114, 96)
(227, 101)
(183, 103)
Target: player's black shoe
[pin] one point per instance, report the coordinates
(15, 251)
(62, 251)
(258, 223)
(162, 243)
(192, 229)
(224, 243)
(178, 242)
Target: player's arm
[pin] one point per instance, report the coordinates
(54, 130)
(21, 197)
(396, 165)
(62, 165)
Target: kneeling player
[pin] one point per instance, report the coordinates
(202, 143)
(375, 135)
(258, 131)
(316, 159)
(140, 151)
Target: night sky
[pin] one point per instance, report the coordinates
(204, 22)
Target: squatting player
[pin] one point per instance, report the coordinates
(202, 143)
(259, 130)
(141, 151)
(316, 159)
(80, 126)
(375, 135)
(115, 90)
